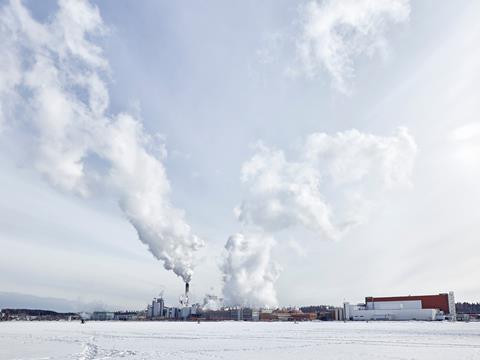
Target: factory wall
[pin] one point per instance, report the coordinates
(359, 313)
(394, 305)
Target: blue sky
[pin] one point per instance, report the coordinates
(214, 79)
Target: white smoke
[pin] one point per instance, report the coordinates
(335, 31)
(212, 302)
(53, 92)
(328, 189)
(249, 275)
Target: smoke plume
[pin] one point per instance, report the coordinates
(58, 101)
(249, 275)
(212, 302)
(329, 187)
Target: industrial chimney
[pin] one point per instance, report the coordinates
(184, 298)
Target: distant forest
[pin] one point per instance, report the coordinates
(33, 312)
(467, 308)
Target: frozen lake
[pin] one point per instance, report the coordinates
(239, 340)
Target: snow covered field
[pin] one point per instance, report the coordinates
(239, 340)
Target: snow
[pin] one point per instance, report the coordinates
(239, 340)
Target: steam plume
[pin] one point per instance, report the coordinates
(249, 275)
(212, 302)
(328, 189)
(59, 101)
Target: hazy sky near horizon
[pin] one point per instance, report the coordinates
(217, 78)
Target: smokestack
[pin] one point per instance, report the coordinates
(187, 287)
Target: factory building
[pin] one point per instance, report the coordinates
(172, 313)
(157, 309)
(102, 316)
(190, 312)
(249, 314)
(419, 307)
(126, 316)
(337, 314)
(236, 314)
(158, 306)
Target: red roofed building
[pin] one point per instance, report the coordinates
(417, 307)
(439, 301)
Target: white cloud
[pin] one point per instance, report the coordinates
(348, 167)
(466, 142)
(467, 132)
(333, 33)
(58, 100)
(297, 247)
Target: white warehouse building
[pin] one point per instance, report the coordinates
(422, 307)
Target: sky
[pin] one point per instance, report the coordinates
(272, 153)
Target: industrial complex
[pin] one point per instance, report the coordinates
(396, 308)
